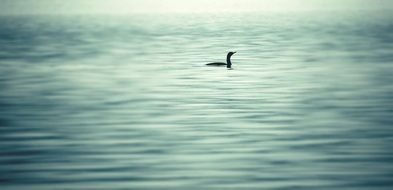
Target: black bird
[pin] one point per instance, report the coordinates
(228, 64)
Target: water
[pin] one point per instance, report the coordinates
(125, 102)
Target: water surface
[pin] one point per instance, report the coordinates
(125, 102)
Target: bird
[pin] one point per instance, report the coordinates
(228, 64)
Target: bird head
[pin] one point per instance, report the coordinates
(231, 53)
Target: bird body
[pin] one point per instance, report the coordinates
(228, 64)
(217, 64)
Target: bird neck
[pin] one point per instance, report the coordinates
(229, 61)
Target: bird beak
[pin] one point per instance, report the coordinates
(234, 52)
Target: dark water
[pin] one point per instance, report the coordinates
(125, 102)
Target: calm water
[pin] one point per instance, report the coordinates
(125, 102)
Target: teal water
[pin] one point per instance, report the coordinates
(126, 102)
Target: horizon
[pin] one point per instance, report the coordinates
(19, 7)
